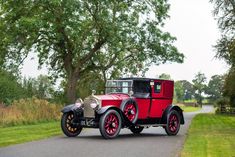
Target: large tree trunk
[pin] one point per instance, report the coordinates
(71, 89)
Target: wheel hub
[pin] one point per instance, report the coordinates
(113, 125)
(131, 112)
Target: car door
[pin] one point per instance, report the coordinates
(142, 92)
(161, 97)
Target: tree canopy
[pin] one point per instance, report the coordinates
(225, 47)
(199, 84)
(225, 13)
(76, 37)
(215, 87)
(165, 76)
(10, 88)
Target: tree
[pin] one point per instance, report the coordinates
(179, 91)
(77, 37)
(165, 76)
(229, 86)
(199, 86)
(10, 88)
(91, 82)
(225, 47)
(225, 13)
(40, 87)
(188, 89)
(215, 87)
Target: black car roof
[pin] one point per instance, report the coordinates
(140, 79)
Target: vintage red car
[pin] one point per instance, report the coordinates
(134, 103)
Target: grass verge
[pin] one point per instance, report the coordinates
(210, 135)
(26, 133)
(190, 108)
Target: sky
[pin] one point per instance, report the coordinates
(193, 24)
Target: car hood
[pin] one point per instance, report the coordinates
(115, 96)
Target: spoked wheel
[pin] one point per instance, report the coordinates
(130, 111)
(136, 129)
(173, 123)
(68, 127)
(110, 124)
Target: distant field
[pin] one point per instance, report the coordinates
(188, 108)
(210, 135)
(26, 133)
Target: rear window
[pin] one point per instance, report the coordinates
(157, 87)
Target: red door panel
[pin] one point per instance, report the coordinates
(162, 93)
(158, 107)
(143, 105)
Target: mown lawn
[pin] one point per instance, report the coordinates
(210, 135)
(26, 133)
(190, 108)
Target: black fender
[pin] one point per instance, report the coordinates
(168, 109)
(102, 110)
(69, 108)
(125, 121)
(78, 111)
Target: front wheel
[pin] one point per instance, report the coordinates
(173, 123)
(110, 124)
(68, 127)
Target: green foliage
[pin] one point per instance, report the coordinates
(229, 87)
(199, 84)
(165, 76)
(92, 81)
(179, 91)
(26, 133)
(40, 87)
(210, 135)
(77, 37)
(27, 111)
(215, 87)
(184, 90)
(224, 11)
(225, 47)
(188, 89)
(10, 89)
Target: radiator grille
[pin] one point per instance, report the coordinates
(88, 111)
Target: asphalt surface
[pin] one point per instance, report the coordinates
(152, 142)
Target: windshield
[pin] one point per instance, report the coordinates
(118, 86)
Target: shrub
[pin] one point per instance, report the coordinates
(10, 89)
(221, 104)
(28, 111)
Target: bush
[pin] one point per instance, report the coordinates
(10, 89)
(28, 111)
(221, 104)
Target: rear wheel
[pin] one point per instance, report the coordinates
(68, 127)
(136, 129)
(110, 124)
(173, 123)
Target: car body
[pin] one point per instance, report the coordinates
(134, 103)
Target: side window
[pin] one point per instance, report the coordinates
(157, 87)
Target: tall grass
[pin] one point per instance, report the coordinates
(29, 111)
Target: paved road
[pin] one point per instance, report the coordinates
(152, 142)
